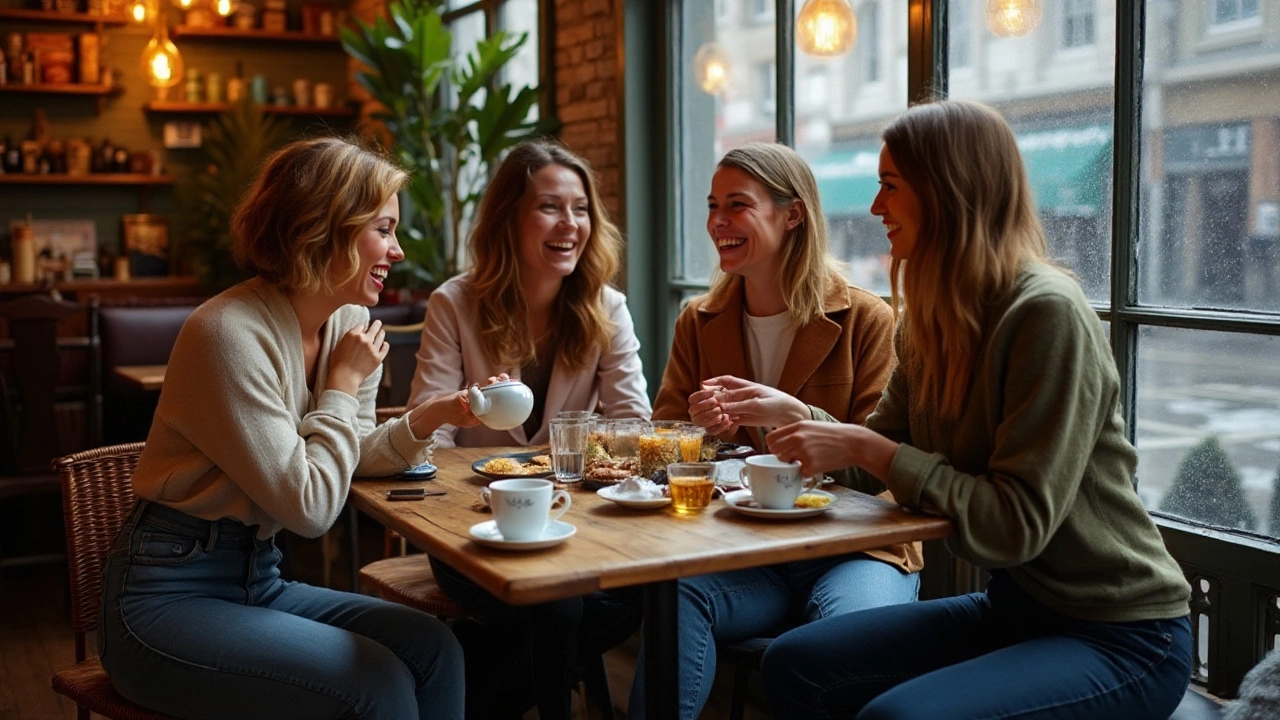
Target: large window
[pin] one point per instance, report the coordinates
(470, 20)
(1160, 191)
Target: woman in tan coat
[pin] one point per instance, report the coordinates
(781, 337)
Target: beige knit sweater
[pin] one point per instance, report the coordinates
(237, 434)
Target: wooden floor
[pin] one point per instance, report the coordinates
(36, 639)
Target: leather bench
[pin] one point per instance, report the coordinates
(134, 335)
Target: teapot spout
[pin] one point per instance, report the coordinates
(479, 403)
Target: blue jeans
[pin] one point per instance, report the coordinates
(763, 602)
(998, 654)
(197, 623)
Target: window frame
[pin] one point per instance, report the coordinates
(492, 10)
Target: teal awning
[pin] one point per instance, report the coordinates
(848, 179)
(1068, 168)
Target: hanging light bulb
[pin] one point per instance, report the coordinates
(139, 11)
(224, 8)
(184, 4)
(826, 28)
(711, 68)
(162, 64)
(1013, 18)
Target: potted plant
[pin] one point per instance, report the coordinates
(450, 116)
(235, 144)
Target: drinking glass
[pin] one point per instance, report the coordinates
(691, 442)
(568, 444)
(624, 437)
(691, 486)
(659, 447)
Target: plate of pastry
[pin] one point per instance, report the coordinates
(532, 464)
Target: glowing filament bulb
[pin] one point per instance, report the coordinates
(160, 69)
(223, 7)
(826, 28)
(1013, 18)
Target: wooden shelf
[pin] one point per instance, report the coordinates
(94, 179)
(226, 33)
(62, 89)
(184, 108)
(52, 16)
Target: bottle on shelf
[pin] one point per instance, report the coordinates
(12, 156)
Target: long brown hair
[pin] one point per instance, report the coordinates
(978, 229)
(807, 270)
(582, 318)
(298, 223)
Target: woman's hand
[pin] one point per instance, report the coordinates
(357, 354)
(452, 409)
(822, 447)
(750, 404)
(704, 410)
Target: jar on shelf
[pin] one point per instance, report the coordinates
(213, 88)
(192, 91)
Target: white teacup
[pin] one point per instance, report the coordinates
(773, 483)
(502, 405)
(522, 507)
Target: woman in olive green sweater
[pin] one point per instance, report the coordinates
(1003, 415)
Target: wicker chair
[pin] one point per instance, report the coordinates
(97, 495)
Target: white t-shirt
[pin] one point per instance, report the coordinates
(769, 341)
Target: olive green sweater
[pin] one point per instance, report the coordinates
(1036, 471)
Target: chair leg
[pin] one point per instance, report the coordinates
(595, 682)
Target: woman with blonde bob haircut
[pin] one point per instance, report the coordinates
(781, 337)
(1004, 416)
(536, 305)
(267, 412)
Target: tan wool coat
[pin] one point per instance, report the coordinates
(838, 365)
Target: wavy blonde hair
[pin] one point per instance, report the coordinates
(493, 248)
(978, 229)
(298, 223)
(807, 269)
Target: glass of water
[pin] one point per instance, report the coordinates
(568, 443)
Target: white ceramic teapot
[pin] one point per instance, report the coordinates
(502, 405)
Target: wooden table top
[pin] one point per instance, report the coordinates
(616, 546)
(147, 377)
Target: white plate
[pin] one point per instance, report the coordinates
(628, 501)
(733, 498)
(486, 533)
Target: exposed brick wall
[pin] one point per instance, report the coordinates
(587, 85)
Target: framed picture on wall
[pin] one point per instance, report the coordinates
(146, 243)
(64, 248)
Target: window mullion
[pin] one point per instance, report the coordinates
(927, 50)
(1130, 24)
(785, 30)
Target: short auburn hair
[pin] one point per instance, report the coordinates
(300, 218)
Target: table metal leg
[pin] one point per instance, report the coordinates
(662, 687)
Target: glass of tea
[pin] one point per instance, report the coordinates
(691, 441)
(691, 485)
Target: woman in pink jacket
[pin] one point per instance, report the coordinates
(536, 305)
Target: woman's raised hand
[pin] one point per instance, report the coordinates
(704, 410)
(357, 354)
(751, 404)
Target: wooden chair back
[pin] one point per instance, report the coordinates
(42, 374)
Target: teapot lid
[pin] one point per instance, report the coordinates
(500, 385)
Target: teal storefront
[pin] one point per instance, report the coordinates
(1069, 170)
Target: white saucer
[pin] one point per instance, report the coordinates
(486, 533)
(637, 503)
(733, 498)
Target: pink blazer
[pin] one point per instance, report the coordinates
(450, 358)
